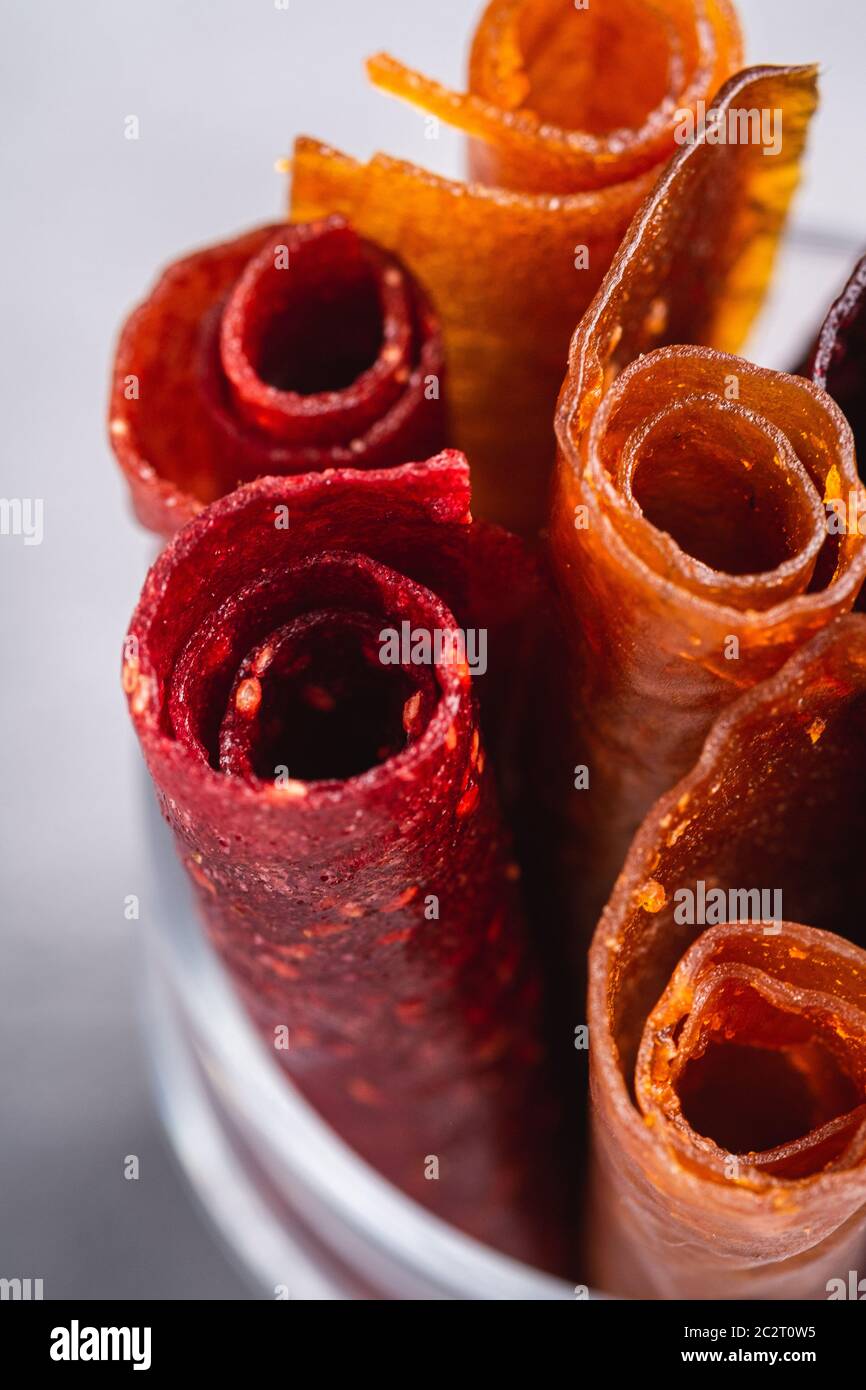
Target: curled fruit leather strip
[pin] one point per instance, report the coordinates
(331, 790)
(559, 161)
(838, 359)
(291, 349)
(690, 536)
(727, 1005)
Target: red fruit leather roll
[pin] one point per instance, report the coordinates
(287, 350)
(340, 822)
(690, 534)
(727, 1005)
(571, 112)
(838, 359)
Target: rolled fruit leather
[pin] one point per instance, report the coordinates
(286, 350)
(727, 1006)
(338, 816)
(690, 536)
(571, 114)
(837, 361)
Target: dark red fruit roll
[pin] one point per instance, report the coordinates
(291, 349)
(838, 359)
(341, 823)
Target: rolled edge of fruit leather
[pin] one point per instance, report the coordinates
(331, 792)
(838, 358)
(563, 97)
(691, 535)
(290, 349)
(727, 1005)
(560, 161)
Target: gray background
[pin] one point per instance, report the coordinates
(220, 88)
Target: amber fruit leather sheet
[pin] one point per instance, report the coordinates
(727, 1006)
(558, 162)
(690, 534)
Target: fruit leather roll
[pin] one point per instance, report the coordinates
(300, 675)
(690, 535)
(572, 112)
(837, 361)
(287, 350)
(727, 1005)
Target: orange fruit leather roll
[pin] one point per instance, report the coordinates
(728, 1057)
(690, 535)
(571, 114)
